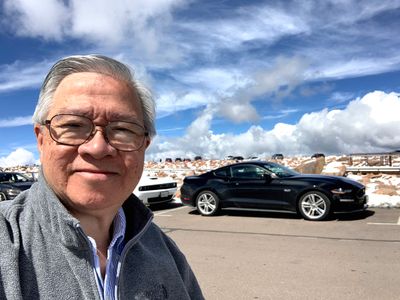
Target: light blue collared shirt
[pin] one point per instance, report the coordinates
(107, 287)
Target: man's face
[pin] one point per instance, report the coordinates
(94, 176)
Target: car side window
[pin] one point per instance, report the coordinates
(20, 178)
(224, 172)
(247, 172)
(5, 177)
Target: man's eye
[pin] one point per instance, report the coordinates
(123, 130)
(72, 125)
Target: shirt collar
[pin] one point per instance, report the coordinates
(119, 228)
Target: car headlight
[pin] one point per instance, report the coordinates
(341, 191)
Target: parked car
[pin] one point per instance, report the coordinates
(271, 186)
(155, 190)
(277, 156)
(13, 183)
(316, 155)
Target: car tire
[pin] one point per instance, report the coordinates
(314, 206)
(2, 197)
(207, 203)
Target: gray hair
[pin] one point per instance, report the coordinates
(98, 64)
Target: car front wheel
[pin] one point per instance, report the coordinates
(207, 203)
(314, 206)
(2, 197)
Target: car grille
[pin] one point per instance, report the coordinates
(159, 199)
(162, 186)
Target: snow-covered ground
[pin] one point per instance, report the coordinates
(385, 201)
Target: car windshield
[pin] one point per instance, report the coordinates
(279, 170)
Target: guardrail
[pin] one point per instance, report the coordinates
(374, 169)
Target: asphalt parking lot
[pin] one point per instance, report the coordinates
(260, 255)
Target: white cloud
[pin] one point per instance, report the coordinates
(160, 34)
(18, 157)
(171, 102)
(367, 124)
(141, 25)
(17, 121)
(340, 97)
(342, 68)
(276, 82)
(19, 75)
(43, 18)
(259, 22)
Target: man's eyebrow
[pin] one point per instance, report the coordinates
(123, 117)
(113, 116)
(74, 111)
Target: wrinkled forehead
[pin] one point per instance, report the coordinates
(96, 95)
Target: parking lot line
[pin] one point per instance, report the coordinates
(162, 214)
(390, 224)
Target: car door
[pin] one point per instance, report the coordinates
(251, 188)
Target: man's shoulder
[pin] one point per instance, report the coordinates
(16, 204)
(15, 213)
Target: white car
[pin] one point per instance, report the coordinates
(155, 190)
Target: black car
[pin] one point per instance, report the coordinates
(13, 183)
(271, 186)
(277, 156)
(317, 155)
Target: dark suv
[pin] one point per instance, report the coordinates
(13, 183)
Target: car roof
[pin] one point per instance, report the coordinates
(246, 162)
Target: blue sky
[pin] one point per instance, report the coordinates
(248, 78)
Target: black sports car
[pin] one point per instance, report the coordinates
(271, 186)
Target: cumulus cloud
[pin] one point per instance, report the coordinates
(274, 83)
(107, 24)
(19, 157)
(367, 124)
(37, 19)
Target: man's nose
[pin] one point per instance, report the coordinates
(97, 145)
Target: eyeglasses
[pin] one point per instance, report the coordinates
(74, 130)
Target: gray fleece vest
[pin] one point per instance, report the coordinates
(44, 254)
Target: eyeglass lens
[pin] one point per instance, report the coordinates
(75, 130)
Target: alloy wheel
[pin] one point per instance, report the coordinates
(207, 203)
(314, 206)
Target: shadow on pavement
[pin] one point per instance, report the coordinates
(353, 216)
(288, 216)
(251, 213)
(164, 206)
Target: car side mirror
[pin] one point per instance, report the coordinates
(267, 177)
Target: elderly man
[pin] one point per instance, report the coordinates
(79, 232)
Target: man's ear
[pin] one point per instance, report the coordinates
(39, 136)
(147, 142)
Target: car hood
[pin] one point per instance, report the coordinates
(328, 178)
(153, 180)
